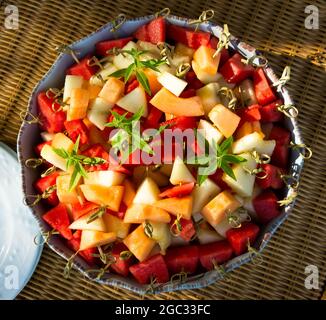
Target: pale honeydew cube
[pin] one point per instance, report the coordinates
(209, 132)
(178, 59)
(134, 100)
(61, 141)
(46, 136)
(209, 97)
(165, 68)
(71, 82)
(161, 234)
(50, 156)
(247, 143)
(125, 60)
(203, 194)
(99, 110)
(147, 193)
(183, 50)
(106, 178)
(224, 226)
(266, 147)
(146, 56)
(150, 47)
(83, 224)
(172, 83)
(203, 76)
(248, 202)
(208, 236)
(108, 69)
(180, 173)
(244, 183)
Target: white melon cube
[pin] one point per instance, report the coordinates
(203, 194)
(266, 147)
(122, 61)
(150, 47)
(244, 183)
(83, 224)
(147, 193)
(107, 178)
(209, 97)
(224, 226)
(209, 132)
(180, 173)
(172, 83)
(46, 136)
(134, 100)
(208, 235)
(247, 143)
(50, 156)
(71, 82)
(161, 234)
(203, 76)
(98, 113)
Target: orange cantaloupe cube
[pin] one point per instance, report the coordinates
(104, 196)
(139, 244)
(92, 239)
(129, 193)
(204, 58)
(138, 213)
(256, 127)
(116, 225)
(63, 193)
(167, 102)
(93, 90)
(224, 119)
(176, 206)
(154, 85)
(215, 211)
(248, 128)
(112, 90)
(78, 104)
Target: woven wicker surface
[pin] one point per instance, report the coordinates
(271, 25)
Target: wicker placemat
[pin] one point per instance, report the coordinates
(272, 25)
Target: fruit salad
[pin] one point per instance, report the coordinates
(163, 154)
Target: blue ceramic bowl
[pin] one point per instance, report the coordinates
(29, 136)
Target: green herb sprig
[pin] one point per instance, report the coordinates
(129, 133)
(77, 161)
(218, 158)
(137, 67)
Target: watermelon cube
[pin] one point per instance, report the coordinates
(121, 266)
(77, 128)
(218, 252)
(239, 237)
(154, 267)
(270, 113)
(184, 259)
(266, 206)
(273, 177)
(264, 93)
(83, 69)
(234, 70)
(103, 46)
(51, 119)
(44, 183)
(58, 219)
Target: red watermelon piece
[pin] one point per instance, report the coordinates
(103, 46)
(58, 219)
(219, 252)
(154, 267)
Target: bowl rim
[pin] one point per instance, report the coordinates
(197, 281)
